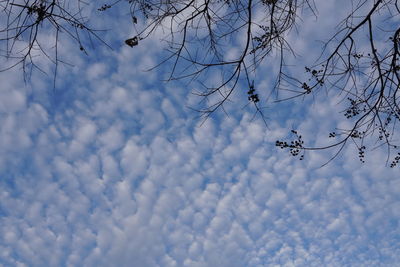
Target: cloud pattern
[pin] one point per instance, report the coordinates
(115, 171)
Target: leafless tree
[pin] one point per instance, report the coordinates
(27, 27)
(200, 31)
(366, 76)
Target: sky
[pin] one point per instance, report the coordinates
(113, 168)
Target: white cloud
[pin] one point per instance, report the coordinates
(120, 173)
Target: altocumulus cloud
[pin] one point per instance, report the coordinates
(114, 171)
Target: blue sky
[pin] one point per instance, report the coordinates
(113, 169)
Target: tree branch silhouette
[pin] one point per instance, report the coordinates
(360, 61)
